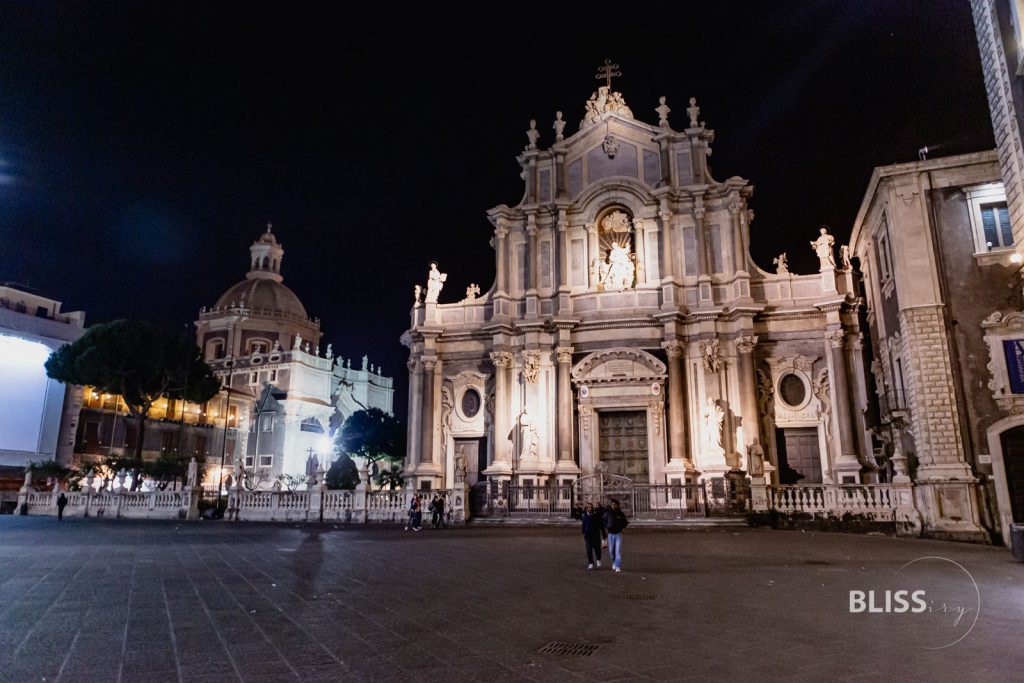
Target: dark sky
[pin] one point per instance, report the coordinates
(144, 145)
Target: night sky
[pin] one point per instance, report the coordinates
(144, 146)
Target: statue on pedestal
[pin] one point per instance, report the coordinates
(528, 436)
(435, 283)
(781, 267)
(823, 248)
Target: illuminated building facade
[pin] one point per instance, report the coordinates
(37, 415)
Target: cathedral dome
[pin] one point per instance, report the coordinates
(263, 294)
(263, 289)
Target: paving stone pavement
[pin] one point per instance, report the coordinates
(116, 600)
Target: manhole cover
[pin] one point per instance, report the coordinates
(557, 647)
(639, 596)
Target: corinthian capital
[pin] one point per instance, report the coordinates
(835, 338)
(746, 344)
(673, 348)
(501, 359)
(429, 362)
(564, 354)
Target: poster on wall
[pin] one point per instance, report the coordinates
(1014, 349)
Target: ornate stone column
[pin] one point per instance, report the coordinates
(748, 392)
(565, 464)
(592, 253)
(502, 464)
(501, 249)
(678, 458)
(738, 257)
(427, 425)
(667, 253)
(532, 258)
(415, 413)
(847, 461)
(640, 248)
(563, 250)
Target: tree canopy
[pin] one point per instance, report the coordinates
(139, 361)
(373, 435)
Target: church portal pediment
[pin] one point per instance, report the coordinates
(618, 365)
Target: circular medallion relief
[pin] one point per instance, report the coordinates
(792, 390)
(470, 402)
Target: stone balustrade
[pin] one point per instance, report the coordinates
(359, 505)
(872, 502)
(122, 503)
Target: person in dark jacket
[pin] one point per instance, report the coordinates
(439, 512)
(593, 526)
(615, 522)
(62, 502)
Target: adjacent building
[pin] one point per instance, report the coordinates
(37, 415)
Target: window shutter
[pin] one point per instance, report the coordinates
(988, 223)
(1004, 226)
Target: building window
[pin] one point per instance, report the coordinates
(272, 376)
(267, 423)
(215, 350)
(232, 416)
(884, 255)
(266, 460)
(990, 222)
(995, 223)
(254, 378)
(900, 389)
(259, 346)
(248, 461)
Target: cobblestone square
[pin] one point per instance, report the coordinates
(108, 600)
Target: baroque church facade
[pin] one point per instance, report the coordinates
(629, 331)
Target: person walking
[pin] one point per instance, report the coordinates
(62, 503)
(439, 512)
(417, 515)
(615, 522)
(414, 511)
(433, 512)
(592, 527)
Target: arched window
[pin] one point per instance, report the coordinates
(215, 349)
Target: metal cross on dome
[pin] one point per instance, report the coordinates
(608, 71)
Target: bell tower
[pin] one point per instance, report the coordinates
(265, 257)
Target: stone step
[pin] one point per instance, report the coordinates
(690, 522)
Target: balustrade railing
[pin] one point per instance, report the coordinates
(876, 500)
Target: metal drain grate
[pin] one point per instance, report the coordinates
(639, 596)
(563, 649)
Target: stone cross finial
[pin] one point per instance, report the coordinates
(559, 127)
(533, 134)
(608, 72)
(694, 111)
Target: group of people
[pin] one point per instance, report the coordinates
(436, 508)
(602, 527)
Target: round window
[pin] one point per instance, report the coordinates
(471, 403)
(792, 390)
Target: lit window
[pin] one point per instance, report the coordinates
(990, 222)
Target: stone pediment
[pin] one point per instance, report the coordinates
(618, 365)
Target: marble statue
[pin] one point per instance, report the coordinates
(306, 347)
(298, 342)
(694, 111)
(663, 112)
(416, 291)
(755, 459)
(528, 436)
(710, 352)
(366, 362)
(277, 345)
(620, 271)
(330, 352)
(316, 352)
(713, 417)
(193, 471)
(844, 255)
(435, 283)
(559, 127)
(823, 248)
(602, 101)
(533, 134)
(781, 267)
(473, 291)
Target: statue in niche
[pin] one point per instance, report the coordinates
(528, 436)
(781, 267)
(620, 271)
(713, 417)
(823, 248)
(711, 354)
(435, 283)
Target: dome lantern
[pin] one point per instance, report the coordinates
(265, 257)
